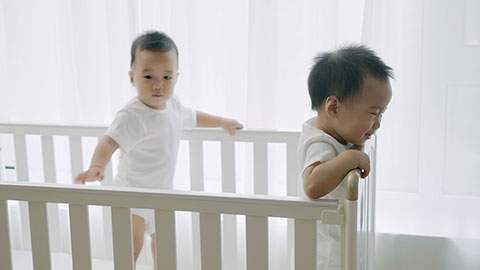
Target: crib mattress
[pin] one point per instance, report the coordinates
(22, 260)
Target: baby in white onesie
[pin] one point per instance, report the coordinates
(349, 89)
(148, 129)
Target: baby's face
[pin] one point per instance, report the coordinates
(360, 116)
(154, 74)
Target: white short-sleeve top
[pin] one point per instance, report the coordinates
(148, 140)
(315, 145)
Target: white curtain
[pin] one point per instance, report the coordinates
(67, 62)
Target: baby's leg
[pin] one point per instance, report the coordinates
(154, 254)
(138, 228)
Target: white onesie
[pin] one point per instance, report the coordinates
(317, 146)
(148, 141)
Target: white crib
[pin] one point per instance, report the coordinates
(37, 224)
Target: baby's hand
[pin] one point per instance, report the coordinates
(363, 162)
(90, 175)
(230, 125)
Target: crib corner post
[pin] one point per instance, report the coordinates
(350, 245)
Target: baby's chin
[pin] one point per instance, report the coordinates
(155, 105)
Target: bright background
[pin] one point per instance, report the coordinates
(66, 62)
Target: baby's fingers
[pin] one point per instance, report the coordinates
(234, 127)
(80, 179)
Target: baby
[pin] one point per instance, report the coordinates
(349, 89)
(148, 129)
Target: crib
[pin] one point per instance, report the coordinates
(44, 216)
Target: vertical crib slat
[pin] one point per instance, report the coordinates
(305, 244)
(196, 184)
(292, 179)
(49, 174)
(229, 228)
(21, 165)
(39, 234)
(21, 162)
(5, 248)
(256, 229)
(228, 166)
(80, 236)
(76, 156)
(122, 238)
(165, 240)
(48, 156)
(210, 241)
(292, 170)
(196, 165)
(260, 168)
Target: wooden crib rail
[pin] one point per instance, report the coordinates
(256, 208)
(195, 138)
(204, 134)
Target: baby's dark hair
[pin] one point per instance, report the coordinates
(341, 73)
(152, 41)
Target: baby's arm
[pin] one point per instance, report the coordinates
(208, 120)
(319, 179)
(103, 152)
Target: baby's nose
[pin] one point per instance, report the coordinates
(158, 85)
(377, 124)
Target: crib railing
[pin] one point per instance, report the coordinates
(345, 214)
(256, 208)
(195, 137)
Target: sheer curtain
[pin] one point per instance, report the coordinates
(67, 62)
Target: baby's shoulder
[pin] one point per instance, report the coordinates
(129, 114)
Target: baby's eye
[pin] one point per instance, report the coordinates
(374, 113)
(167, 77)
(148, 77)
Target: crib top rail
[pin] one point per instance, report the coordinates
(169, 200)
(204, 134)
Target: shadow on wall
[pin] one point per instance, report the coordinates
(411, 252)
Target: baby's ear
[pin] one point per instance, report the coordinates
(130, 74)
(331, 106)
